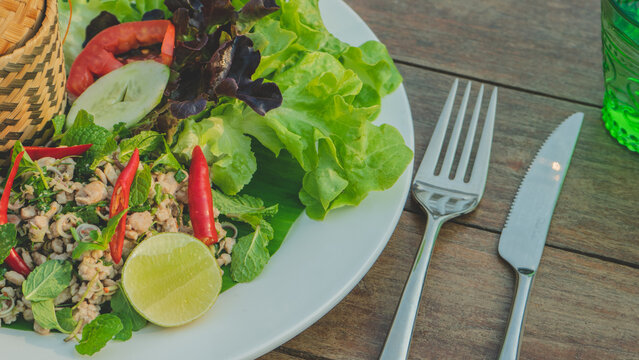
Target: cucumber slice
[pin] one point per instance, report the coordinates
(124, 95)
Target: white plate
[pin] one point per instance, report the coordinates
(317, 265)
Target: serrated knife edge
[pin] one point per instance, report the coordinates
(569, 130)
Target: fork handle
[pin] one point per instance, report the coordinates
(510, 349)
(398, 339)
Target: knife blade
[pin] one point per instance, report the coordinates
(524, 235)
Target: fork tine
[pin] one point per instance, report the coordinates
(437, 138)
(480, 168)
(470, 137)
(454, 136)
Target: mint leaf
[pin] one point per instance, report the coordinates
(127, 328)
(101, 241)
(140, 187)
(146, 142)
(45, 315)
(47, 280)
(85, 131)
(121, 307)
(8, 240)
(245, 208)
(65, 319)
(250, 255)
(168, 159)
(98, 332)
(58, 124)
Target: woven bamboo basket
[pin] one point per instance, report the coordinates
(32, 85)
(19, 21)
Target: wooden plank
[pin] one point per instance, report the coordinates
(551, 47)
(580, 307)
(597, 210)
(278, 354)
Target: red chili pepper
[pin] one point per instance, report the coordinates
(201, 199)
(168, 43)
(120, 201)
(98, 56)
(37, 152)
(14, 260)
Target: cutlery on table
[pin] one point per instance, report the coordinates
(442, 198)
(524, 235)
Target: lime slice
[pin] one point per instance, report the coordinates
(124, 95)
(171, 279)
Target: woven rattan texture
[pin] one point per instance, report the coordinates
(32, 85)
(19, 20)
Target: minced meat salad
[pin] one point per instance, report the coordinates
(52, 219)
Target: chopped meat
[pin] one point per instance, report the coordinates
(92, 193)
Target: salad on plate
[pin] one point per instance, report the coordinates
(196, 133)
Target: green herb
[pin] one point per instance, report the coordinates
(146, 142)
(167, 159)
(146, 206)
(98, 332)
(8, 240)
(100, 241)
(250, 255)
(127, 329)
(42, 196)
(245, 208)
(123, 309)
(58, 124)
(2, 297)
(45, 315)
(140, 187)
(88, 213)
(121, 131)
(180, 176)
(27, 164)
(159, 194)
(2, 272)
(47, 281)
(85, 131)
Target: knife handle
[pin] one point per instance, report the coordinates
(510, 349)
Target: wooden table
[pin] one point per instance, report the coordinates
(545, 56)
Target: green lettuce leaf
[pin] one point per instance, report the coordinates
(344, 155)
(227, 150)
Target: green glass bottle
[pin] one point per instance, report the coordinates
(620, 40)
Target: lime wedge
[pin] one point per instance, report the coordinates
(171, 279)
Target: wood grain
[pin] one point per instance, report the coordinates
(597, 210)
(551, 47)
(580, 307)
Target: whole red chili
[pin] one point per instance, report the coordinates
(14, 260)
(98, 56)
(120, 201)
(37, 152)
(201, 199)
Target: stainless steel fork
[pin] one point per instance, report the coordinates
(442, 197)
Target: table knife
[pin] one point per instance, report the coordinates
(524, 235)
